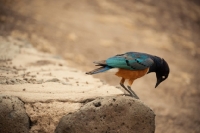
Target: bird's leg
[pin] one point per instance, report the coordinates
(122, 84)
(135, 95)
(130, 82)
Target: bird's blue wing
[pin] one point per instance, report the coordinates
(131, 61)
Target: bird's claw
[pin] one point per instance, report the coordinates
(133, 94)
(130, 91)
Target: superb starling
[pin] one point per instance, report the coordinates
(133, 65)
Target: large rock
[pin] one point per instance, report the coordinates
(120, 114)
(13, 117)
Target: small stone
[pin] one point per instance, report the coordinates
(13, 80)
(64, 83)
(52, 80)
(26, 79)
(8, 81)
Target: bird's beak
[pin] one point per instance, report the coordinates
(158, 82)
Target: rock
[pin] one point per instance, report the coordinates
(13, 117)
(120, 114)
(53, 80)
(8, 81)
(13, 80)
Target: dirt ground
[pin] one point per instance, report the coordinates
(88, 30)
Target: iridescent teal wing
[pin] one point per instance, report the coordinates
(131, 61)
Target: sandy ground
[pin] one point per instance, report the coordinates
(84, 31)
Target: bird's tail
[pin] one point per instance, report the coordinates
(99, 70)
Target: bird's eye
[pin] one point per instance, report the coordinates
(163, 77)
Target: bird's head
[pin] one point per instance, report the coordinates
(162, 72)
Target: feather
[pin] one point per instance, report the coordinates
(99, 70)
(131, 61)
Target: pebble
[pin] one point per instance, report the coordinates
(64, 83)
(52, 80)
(8, 81)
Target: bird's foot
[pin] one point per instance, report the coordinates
(126, 88)
(133, 93)
(130, 91)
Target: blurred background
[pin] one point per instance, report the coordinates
(84, 31)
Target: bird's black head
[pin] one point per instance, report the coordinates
(162, 72)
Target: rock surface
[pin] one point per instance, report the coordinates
(13, 117)
(120, 114)
(50, 90)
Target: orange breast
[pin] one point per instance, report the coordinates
(129, 74)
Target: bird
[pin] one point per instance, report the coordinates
(133, 65)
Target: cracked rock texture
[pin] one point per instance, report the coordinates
(110, 115)
(13, 117)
